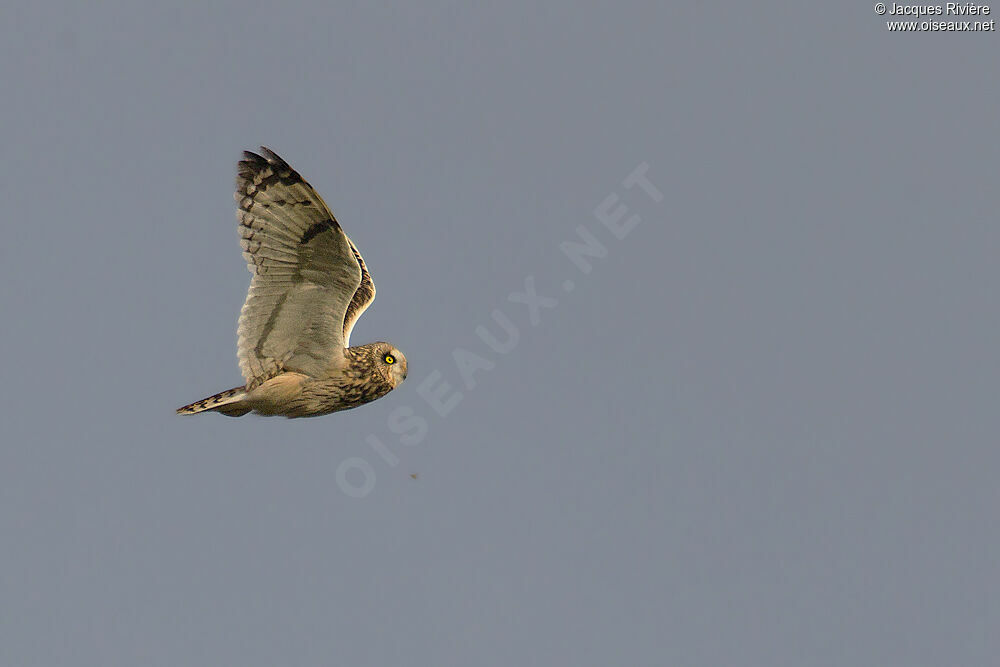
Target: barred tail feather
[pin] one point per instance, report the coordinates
(228, 402)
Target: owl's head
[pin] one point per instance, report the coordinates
(390, 363)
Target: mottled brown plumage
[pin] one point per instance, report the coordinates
(309, 287)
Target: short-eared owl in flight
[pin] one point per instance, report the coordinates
(309, 286)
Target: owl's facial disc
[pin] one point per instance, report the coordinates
(396, 363)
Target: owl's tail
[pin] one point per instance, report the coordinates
(229, 402)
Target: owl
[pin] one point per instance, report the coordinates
(309, 287)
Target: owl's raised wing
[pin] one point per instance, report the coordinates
(306, 273)
(363, 297)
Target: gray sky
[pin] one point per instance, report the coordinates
(760, 431)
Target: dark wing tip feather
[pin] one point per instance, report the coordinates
(275, 159)
(266, 158)
(253, 165)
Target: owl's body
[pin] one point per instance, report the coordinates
(309, 287)
(362, 378)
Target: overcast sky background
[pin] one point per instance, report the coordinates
(761, 431)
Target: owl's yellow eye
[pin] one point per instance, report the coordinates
(389, 359)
